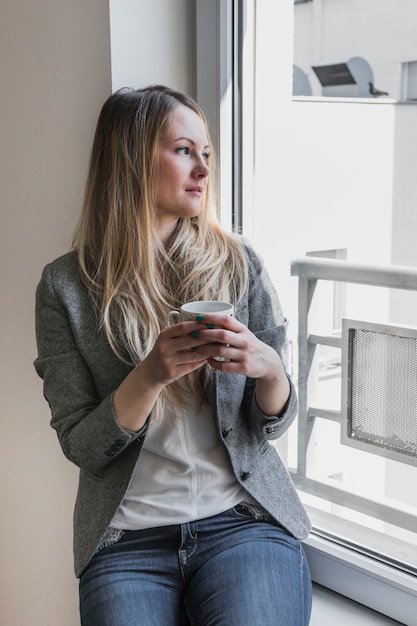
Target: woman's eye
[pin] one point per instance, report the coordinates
(187, 151)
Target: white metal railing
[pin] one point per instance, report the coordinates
(309, 271)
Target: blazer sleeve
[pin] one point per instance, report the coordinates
(267, 321)
(78, 383)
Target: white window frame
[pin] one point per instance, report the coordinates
(370, 582)
(214, 88)
(219, 27)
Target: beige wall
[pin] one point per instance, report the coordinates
(55, 72)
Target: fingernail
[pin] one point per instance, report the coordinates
(195, 334)
(210, 326)
(200, 318)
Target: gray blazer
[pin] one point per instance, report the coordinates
(81, 373)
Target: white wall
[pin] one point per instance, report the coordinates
(56, 72)
(153, 42)
(404, 214)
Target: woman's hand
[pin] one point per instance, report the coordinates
(226, 337)
(171, 358)
(182, 348)
(173, 354)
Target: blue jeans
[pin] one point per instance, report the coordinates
(229, 569)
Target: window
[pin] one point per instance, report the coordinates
(322, 175)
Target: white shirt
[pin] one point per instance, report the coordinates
(183, 474)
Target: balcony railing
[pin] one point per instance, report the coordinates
(393, 436)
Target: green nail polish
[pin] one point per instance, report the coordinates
(210, 326)
(200, 318)
(195, 334)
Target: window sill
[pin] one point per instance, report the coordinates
(371, 583)
(331, 608)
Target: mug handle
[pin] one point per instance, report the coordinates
(173, 317)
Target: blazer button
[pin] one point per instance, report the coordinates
(117, 446)
(245, 475)
(110, 452)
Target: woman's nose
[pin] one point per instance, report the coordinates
(201, 169)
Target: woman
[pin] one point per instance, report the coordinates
(185, 514)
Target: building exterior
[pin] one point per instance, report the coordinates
(375, 39)
(359, 149)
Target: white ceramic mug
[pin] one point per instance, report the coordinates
(191, 310)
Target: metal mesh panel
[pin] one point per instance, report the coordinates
(383, 390)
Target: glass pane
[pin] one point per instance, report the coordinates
(334, 178)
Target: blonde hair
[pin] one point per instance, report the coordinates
(132, 276)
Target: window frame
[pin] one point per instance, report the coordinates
(368, 581)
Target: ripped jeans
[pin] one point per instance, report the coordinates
(227, 570)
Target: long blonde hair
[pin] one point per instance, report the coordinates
(132, 276)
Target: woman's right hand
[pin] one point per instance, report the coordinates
(172, 355)
(171, 358)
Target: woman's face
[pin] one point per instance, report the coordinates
(182, 170)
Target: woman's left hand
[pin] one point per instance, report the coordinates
(225, 337)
